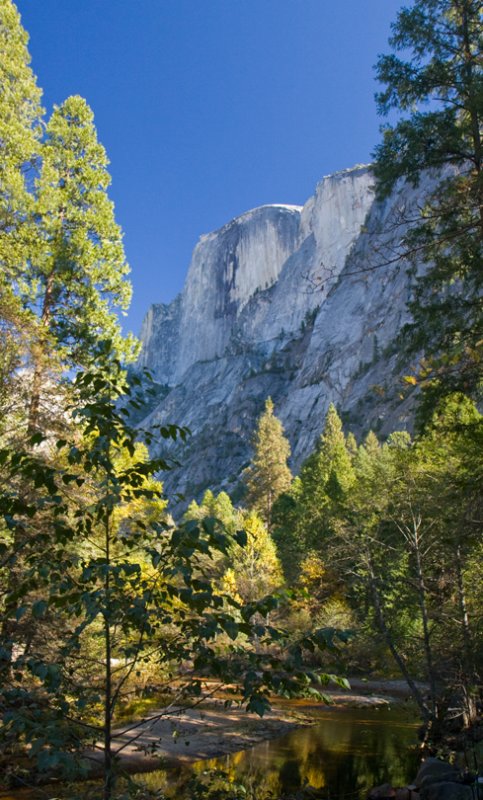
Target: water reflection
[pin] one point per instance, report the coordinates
(346, 753)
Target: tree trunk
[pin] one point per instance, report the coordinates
(39, 356)
(108, 771)
(472, 106)
(422, 594)
(469, 672)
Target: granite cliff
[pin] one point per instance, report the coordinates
(300, 303)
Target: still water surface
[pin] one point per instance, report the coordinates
(346, 753)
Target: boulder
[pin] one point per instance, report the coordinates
(382, 792)
(446, 790)
(407, 793)
(433, 770)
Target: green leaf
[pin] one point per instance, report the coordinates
(39, 608)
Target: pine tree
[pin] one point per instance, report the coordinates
(20, 131)
(217, 507)
(325, 477)
(268, 474)
(79, 276)
(62, 264)
(287, 533)
(351, 444)
(437, 87)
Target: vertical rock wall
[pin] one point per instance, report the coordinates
(297, 303)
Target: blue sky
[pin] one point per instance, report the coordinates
(210, 107)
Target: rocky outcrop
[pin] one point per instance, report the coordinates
(300, 303)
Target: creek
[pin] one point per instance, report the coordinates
(344, 754)
(347, 752)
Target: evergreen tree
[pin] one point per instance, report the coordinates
(325, 478)
(79, 277)
(217, 506)
(437, 86)
(268, 474)
(62, 262)
(351, 444)
(20, 131)
(287, 533)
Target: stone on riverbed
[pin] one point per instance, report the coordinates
(436, 780)
(433, 770)
(446, 790)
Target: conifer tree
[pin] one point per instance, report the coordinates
(287, 533)
(62, 264)
(268, 474)
(20, 131)
(351, 444)
(325, 477)
(436, 85)
(79, 276)
(217, 506)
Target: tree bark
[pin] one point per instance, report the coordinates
(108, 771)
(39, 357)
(473, 110)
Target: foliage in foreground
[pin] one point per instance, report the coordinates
(107, 587)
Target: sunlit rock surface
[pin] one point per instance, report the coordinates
(300, 303)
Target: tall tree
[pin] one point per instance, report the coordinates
(20, 132)
(370, 551)
(287, 533)
(79, 276)
(325, 478)
(268, 474)
(436, 85)
(407, 544)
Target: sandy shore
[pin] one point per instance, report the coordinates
(211, 730)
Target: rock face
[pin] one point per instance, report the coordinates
(300, 303)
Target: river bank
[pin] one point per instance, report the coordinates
(211, 731)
